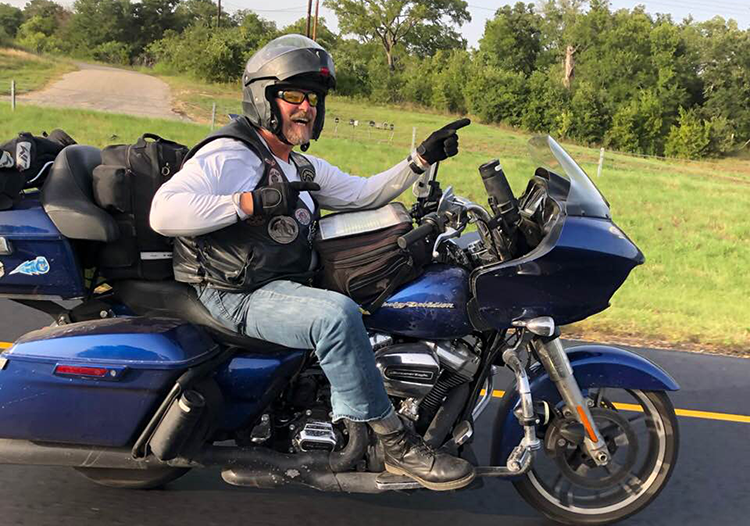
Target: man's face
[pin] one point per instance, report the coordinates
(297, 120)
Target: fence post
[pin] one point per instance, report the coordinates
(601, 163)
(13, 95)
(213, 116)
(413, 137)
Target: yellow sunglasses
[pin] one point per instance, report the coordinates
(296, 97)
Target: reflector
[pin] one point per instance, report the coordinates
(78, 370)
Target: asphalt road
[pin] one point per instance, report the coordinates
(709, 486)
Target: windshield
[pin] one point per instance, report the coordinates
(584, 198)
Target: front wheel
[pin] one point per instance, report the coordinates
(640, 428)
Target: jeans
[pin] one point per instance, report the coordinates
(300, 317)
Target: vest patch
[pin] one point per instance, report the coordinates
(274, 176)
(283, 229)
(303, 216)
(307, 175)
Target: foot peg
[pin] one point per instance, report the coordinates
(390, 482)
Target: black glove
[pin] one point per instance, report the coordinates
(278, 199)
(442, 143)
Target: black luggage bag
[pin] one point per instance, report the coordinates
(360, 256)
(124, 185)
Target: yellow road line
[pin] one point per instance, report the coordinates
(688, 413)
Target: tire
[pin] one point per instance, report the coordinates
(132, 478)
(662, 446)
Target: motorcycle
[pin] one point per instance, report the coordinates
(137, 384)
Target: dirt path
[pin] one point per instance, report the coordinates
(109, 89)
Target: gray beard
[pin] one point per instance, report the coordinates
(296, 136)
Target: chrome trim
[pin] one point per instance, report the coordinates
(37, 297)
(541, 326)
(556, 362)
(484, 400)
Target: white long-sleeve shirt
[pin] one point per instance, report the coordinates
(204, 195)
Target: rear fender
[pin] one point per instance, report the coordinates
(593, 366)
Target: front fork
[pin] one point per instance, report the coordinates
(552, 355)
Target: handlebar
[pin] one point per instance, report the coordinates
(432, 223)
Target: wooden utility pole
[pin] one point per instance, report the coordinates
(218, 16)
(315, 23)
(309, 15)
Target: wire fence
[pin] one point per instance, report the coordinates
(342, 127)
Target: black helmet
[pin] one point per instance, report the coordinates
(288, 61)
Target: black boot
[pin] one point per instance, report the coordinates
(407, 454)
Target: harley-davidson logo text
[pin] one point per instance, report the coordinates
(418, 305)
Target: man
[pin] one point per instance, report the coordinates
(243, 211)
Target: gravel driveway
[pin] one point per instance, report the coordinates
(103, 88)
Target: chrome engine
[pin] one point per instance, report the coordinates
(410, 370)
(423, 373)
(315, 435)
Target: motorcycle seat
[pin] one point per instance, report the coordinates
(173, 299)
(68, 199)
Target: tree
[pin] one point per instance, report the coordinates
(193, 11)
(44, 8)
(97, 22)
(11, 19)
(513, 39)
(152, 18)
(393, 22)
(324, 36)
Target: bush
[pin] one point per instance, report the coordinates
(205, 53)
(690, 138)
(113, 52)
(586, 120)
(546, 101)
(638, 126)
(497, 95)
(449, 79)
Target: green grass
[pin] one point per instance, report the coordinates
(31, 72)
(689, 218)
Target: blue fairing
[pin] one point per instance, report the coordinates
(432, 306)
(42, 262)
(593, 366)
(570, 276)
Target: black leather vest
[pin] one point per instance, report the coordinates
(250, 253)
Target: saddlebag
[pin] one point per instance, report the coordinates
(360, 256)
(96, 382)
(125, 184)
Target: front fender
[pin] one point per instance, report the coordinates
(593, 366)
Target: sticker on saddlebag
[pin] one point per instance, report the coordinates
(6, 160)
(33, 267)
(23, 155)
(2, 270)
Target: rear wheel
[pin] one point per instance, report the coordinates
(132, 478)
(640, 428)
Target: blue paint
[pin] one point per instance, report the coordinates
(32, 235)
(249, 382)
(408, 311)
(571, 276)
(593, 366)
(149, 355)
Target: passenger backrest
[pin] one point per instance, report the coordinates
(68, 199)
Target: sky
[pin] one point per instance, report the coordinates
(284, 12)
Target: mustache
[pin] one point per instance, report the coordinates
(301, 114)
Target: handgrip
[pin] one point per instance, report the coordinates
(421, 232)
